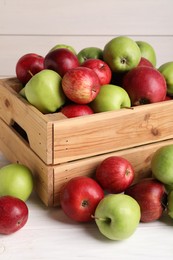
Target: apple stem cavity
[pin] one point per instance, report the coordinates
(123, 60)
(85, 203)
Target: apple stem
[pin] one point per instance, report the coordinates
(102, 219)
(30, 73)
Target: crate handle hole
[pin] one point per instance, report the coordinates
(20, 131)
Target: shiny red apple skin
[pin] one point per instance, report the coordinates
(145, 62)
(61, 60)
(13, 214)
(101, 68)
(75, 110)
(115, 174)
(151, 196)
(79, 198)
(145, 85)
(28, 65)
(81, 85)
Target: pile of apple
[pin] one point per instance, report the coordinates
(16, 186)
(114, 201)
(122, 75)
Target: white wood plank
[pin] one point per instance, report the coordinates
(91, 17)
(13, 47)
(49, 234)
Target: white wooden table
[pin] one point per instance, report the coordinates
(49, 234)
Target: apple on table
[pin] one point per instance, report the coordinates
(162, 164)
(16, 180)
(115, 174)
(13, 214)
(151, 196)
(117, 216)
(79, 197)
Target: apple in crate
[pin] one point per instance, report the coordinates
(75, 110)
(145, 62)
(79, 198)
(16, 180)
(117, 216)
(147, 51)
(110, 97)
(101, 68)
(145, 85)
(13, 214)
(166, 70)
(81, 85)
(115, 174)
(44, 91)
(90, 53)
(60, 46)
(28, 65)
(121, 54)
(61, 60)
(151, 196)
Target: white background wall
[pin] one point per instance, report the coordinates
(37, 25)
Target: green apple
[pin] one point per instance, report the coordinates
(147, 51)
(58, 46)
(168, 188)
(90, 53)
(166, 70)
(110, 97)
(16, 180)
(117, 216)
(44, 91)
(121, 54)
(162, 164)
(170, 204)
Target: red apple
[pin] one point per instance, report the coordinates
(13, 214)
(61, 60)
(115, 174)
(101, 68)
(81, 85)
(79, 198)
(151, 196)
(145, 62)
(145, 85)
(28, 65)
(74, 110)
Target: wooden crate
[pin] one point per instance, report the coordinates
(57, 148)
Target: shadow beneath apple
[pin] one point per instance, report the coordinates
(165, 219)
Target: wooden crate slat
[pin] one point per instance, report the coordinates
(14, 108)
(17, 150)
(111, 131)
